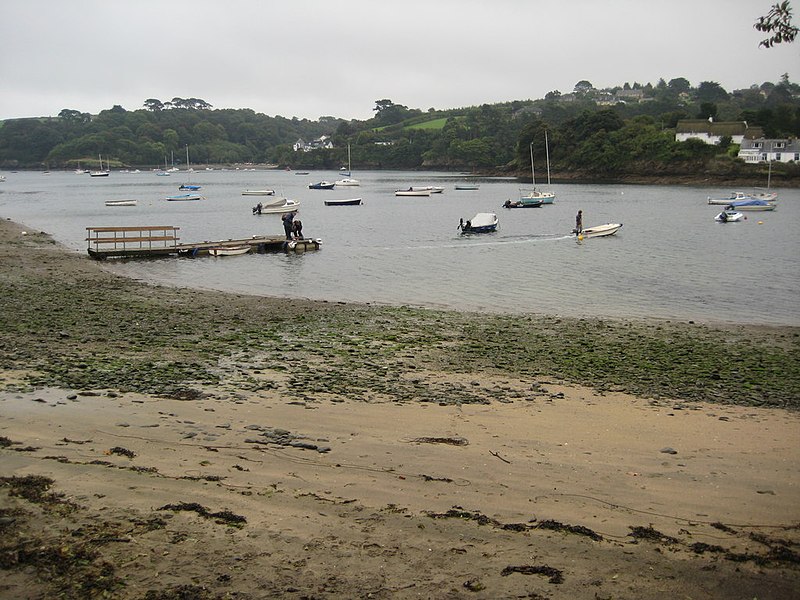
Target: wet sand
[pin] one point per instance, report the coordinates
(184, 452)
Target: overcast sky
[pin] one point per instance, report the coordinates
(312, 58)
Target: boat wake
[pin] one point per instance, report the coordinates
(474, 242)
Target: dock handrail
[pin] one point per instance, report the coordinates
(144, 237)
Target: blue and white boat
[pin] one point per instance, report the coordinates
(752, 204)
(322, 185)
(480, 223)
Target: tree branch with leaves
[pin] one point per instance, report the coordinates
(777, 22)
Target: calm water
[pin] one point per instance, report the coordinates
(670, 260)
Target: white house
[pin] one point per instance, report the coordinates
(712, 132)
(764, 150)
(323, 142)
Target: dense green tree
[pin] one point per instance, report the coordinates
(711, 91)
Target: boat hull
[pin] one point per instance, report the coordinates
(229, 250)
(599, 231)
(183, 198)
(420, 193)
(121, 202)
(352, 202)
(728, 216)
(290, 206)
(480, 223)
(523, 204)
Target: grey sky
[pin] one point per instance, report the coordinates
(312, 58)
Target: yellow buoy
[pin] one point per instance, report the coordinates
(580, 236)
(761, 222)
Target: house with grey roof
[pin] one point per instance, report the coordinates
(769, 150)
(712, 132)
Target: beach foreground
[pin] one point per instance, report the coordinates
(166, 443)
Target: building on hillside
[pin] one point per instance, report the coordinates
(765, 150)
(632, 96)
(323, 142)
(712, 132)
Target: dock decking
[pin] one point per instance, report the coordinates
(153, 241)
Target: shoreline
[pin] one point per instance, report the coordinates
(171, 441)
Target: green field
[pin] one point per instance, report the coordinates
(432, 125)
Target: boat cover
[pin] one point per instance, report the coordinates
(483, 220)
(752, 202)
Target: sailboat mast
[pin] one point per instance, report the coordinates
(547, 151)
(533, 177)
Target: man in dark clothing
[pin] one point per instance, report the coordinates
(288, 219)
(579, 222)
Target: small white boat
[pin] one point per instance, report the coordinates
(537, 196)
(347, 182)
(183, 198)
(734, 197)
(729, 216)
(480, 223)
(534, 196)
(412, 192)
(433, 189)
(228, 250)
(288, 206)
(120, 202)
(523, 203)
(598, 231)
(258, 193)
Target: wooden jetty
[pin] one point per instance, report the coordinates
(153, 241)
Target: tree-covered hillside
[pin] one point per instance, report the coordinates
(615, 133)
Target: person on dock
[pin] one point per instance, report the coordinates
(288, 221)
(297, 229)
(579, 223)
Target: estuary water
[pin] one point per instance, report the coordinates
(670, 260)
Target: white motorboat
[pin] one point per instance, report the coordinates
(121, 202)
(480, 223)
(598, 231)
(347, 182)
(734, 197)
(729, 216)
(287, 206)
(258, 193)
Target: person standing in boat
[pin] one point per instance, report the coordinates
(579, 222)
(288, 221)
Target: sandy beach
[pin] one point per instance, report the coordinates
(161, 443)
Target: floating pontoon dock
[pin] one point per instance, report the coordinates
(152, 241)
